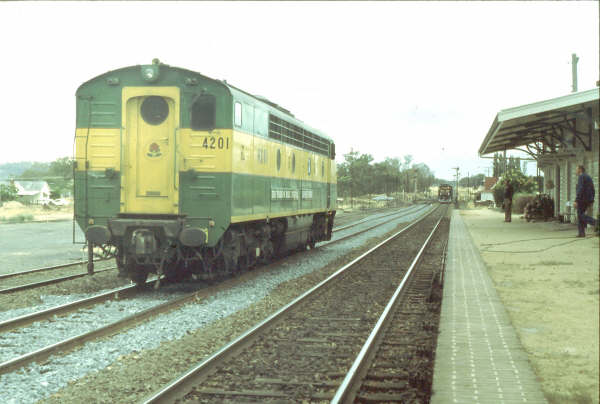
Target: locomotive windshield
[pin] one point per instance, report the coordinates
(204, 112)
(154, 110)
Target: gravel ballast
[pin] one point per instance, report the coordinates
(37, 381)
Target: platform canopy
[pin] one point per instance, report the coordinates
(543, 126)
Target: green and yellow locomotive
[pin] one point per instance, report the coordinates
(184, 174)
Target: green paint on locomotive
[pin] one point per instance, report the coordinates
(105, 100)
(203, 197)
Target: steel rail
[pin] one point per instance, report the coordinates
(325, 243)
(69, 277)
(345, 393)
(349, 215)
(443, 265)
(49, 282)
(184, 383)
(366, 219)
(32, 271)
(26, 319)
(72, 343)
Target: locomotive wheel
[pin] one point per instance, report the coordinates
(221, 265)
(139, 276)
(252, 258)
(243, 263)
(266, 253)
(137, 273)
(121, 266)
(175, 271)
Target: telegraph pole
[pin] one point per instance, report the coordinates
(456, 168)
(574, 60)
(468, 187)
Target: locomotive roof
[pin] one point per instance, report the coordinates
(271, 107)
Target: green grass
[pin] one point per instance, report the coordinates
(575, 395)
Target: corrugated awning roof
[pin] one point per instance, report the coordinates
(520, 126)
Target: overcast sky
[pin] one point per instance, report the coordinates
(389, 78)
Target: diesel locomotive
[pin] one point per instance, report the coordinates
(181, 174)
(445, 193)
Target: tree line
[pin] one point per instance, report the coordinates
(359, 175)
(502, 165)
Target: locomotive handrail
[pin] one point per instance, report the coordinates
(175, 162)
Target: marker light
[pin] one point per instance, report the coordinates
(150, 72)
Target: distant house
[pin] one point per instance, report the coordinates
(487, 193)
(383, 198)
(31, 192)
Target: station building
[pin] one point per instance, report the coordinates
(560, 134)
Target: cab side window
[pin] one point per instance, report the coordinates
(248, 118)
(203, 112)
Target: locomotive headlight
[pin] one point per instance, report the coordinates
(149, 73)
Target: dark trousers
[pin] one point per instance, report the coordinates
(507, 209)
(583, 219)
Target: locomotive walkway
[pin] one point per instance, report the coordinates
(479, 358)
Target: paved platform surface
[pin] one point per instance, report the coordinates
(479, 358)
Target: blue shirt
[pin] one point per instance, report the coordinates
(585, 189)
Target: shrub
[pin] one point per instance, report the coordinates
(520, 200)
(520, 182)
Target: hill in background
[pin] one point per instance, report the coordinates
(14, 170)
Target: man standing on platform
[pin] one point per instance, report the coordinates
(583, 199)
(508, 196)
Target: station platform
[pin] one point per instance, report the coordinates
(479, 358)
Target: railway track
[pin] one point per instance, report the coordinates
(408, 210)
(117, 293)
(43, 269)
(3, 277)
(67, 344)
(304, 351)
(75, 341)
(47, 282)
(74, 266)
(46, 269)
(378, 221)
(396, 362)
